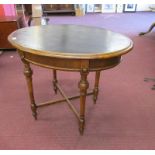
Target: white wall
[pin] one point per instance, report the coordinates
(143, 7)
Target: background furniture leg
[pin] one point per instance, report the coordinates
(149, 30)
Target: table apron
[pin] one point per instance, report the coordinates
(70, 64)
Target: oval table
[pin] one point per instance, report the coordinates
(76, 48)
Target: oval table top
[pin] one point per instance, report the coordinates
(70, 41)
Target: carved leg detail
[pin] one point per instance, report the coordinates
(96, 89)
(28, 74)
(55, 81)
(83, 85)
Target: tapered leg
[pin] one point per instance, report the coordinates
(96, 89)
(83, 85)
(28, 74)
(55, 81)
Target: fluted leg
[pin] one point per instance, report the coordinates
(96, 89)
(28, 74)
(55, 81)
(83, 85)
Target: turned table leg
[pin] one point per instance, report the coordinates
(55, 81)
(83, 85)
(28, 74)
(96, 89)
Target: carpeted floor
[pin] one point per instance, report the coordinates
(124, 116)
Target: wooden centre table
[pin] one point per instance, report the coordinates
(65, 47)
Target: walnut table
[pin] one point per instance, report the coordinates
(75, 48)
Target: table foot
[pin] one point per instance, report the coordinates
(34, 111)
(81, 126)
(95, 91)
